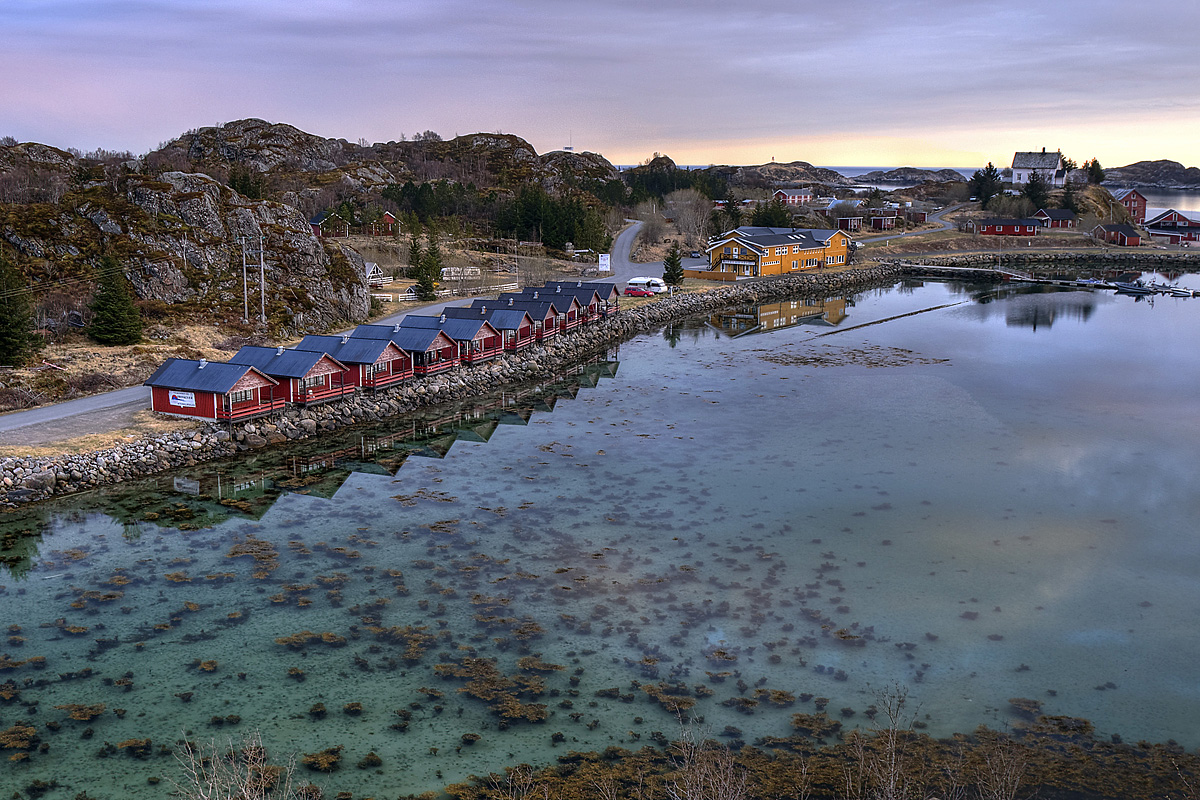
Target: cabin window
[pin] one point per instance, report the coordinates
(242, 396)
(315, 380)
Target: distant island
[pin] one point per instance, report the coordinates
(910, 175)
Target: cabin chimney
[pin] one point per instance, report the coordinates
(279, 351)
(510, 301)
(535, 295)
(345, 338)
(442, 319)
(396, 328)
(483, 311)
(203, 363)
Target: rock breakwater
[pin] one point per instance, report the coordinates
(26, 480)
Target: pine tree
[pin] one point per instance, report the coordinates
(431, 269)
(1036, 190)
(16, 319)
(115, 319)
(414, 253)
(673, 266)
(985, 184)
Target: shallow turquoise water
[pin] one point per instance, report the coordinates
(991, 499)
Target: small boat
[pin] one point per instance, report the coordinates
(1179, 291)
(1133, 287)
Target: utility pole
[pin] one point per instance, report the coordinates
(262, 281)
(245, 287)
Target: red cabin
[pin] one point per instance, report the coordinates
(304, 376)
(1007, 227)
(371, 363)
(514, 324)
(183, 387)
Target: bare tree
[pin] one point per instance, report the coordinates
(652, 230)
(692, 213)
(704, 770)
(518, 783)
(1004, 761)
(237, 773)
(884, 763)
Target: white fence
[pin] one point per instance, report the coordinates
(410, 295)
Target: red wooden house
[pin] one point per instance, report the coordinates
(477, 340)
(431, 350)
(570, 312)
(793, 197)
(371, 363)
(598, 299)
(183, 387)
(1006, 227)
(514, 324)
(916, 216)
(1056, 217)
(1134, 202)
(1122, 235)
(849, 223)
(304, 376)
(542, 312)
(326, 224)
(883, 222)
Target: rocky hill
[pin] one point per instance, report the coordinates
(175, 218)
(795, 173)
(1162, 174)
(911, 175)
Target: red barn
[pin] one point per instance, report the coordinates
(183, 387)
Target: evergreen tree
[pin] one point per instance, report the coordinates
(985, 184)
(1069, 200)
(771, 215)
(431, 269)
(415, 255)
(1036, 190)
(1095, 172)
(733, 212)
(115, 319)
(16, 319)
(673, 266)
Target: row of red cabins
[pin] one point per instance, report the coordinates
(261, 380)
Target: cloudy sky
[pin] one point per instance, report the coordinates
(919, 82)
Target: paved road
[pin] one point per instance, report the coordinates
(932, 218)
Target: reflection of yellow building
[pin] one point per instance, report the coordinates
(753, 252)
(773, 316)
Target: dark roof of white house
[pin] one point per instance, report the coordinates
(1042, 160)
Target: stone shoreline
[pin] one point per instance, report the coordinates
(1104, 259)
(30, 480)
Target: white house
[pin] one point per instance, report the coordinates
(1048, 165)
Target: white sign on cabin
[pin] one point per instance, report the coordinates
(182, 399)
(604, 262)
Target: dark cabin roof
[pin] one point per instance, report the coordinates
(457, 328)
(606, 291)
(413, 340)
(201, 376)
(1057, 213)
(280, 362)
(1128, 231)
(502, 319)
(537, 309)
(345, 349)
(1006, 222)
(561, 304)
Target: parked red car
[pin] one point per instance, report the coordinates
(633, 291)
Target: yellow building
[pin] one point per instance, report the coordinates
(749, 252)
(772, 316)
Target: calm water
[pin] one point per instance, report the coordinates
(994, 498)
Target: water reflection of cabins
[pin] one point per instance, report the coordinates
(741, 320)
